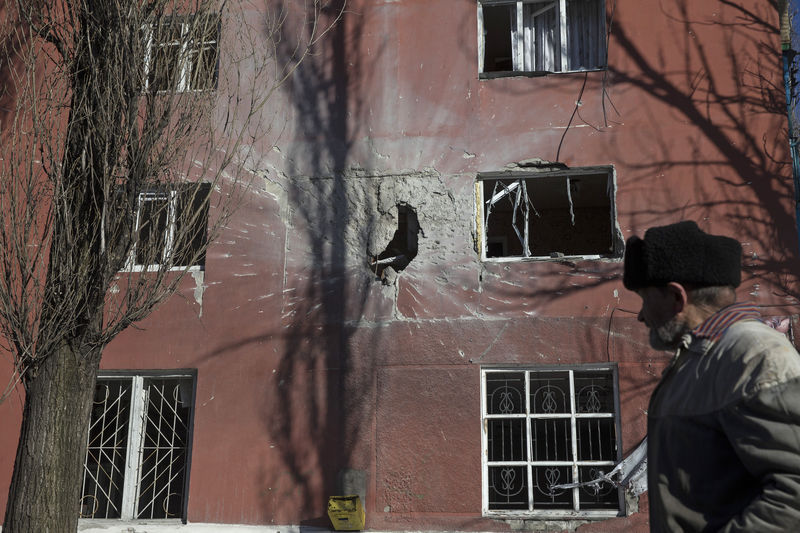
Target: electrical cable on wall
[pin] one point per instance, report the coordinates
(578, 103)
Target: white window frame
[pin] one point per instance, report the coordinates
(577, 172)
(175, 197)
(519, 47)
(189, 48)
(137, 420)
(169, 233)
(532, 512)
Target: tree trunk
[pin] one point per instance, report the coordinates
(46, 484)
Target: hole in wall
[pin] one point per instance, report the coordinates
(402, 248)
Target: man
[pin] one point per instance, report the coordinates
(724, 422)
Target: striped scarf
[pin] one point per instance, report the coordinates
(717, 324)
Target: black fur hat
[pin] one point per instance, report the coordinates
(684, 253)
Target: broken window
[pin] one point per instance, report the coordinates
(403, 246)
(541, 35)
(181, 53)
(545, 427)
(549, 214)
(171, 228)
(138, 450)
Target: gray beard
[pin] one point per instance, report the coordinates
(668, 335)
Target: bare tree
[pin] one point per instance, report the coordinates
(127, 128)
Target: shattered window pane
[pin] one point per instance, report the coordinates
(552, 215)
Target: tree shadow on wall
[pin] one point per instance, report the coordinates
(723, 101)
(726, 86)
(324, 402)
(324, 397)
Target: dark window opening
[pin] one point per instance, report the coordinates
(549, 216)
(403, 246)
(496, 247)
(497, 31)
(171, 227)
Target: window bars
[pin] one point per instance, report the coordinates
(138, 443)
(548, 427)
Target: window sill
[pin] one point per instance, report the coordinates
(554, 515)
(90, 525)
(179, 91)
(533, 74)
(156, 268)
(548, 259)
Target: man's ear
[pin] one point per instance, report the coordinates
(678, 296)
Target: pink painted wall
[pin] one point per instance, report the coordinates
(307, 364)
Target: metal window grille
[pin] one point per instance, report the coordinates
(545, 427)
(137, 453)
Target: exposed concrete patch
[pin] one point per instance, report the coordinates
(631, 502)
(276, 189)
(401, 250)
(353, 481)
(357, 212)
(554, 526)
(199, 287)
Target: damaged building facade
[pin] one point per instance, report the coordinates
(420, 300)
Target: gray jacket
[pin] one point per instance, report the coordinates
(724, 435)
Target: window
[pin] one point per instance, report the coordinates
(545, 427)
(546, 215)
(181, 53)
(139, 442)
(541, 35)
(171, 228)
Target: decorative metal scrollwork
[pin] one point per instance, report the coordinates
(548, 399)
(552, 475)
(507, 475)
(506, 403)
(549, 404)
(552, 478)
(509, 485)
(506, 398)
(590, 399)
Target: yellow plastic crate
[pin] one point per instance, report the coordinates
(346, 513)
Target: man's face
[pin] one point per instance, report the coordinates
(661, 314)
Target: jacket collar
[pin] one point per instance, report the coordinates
(703, 337)
(715, 326)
